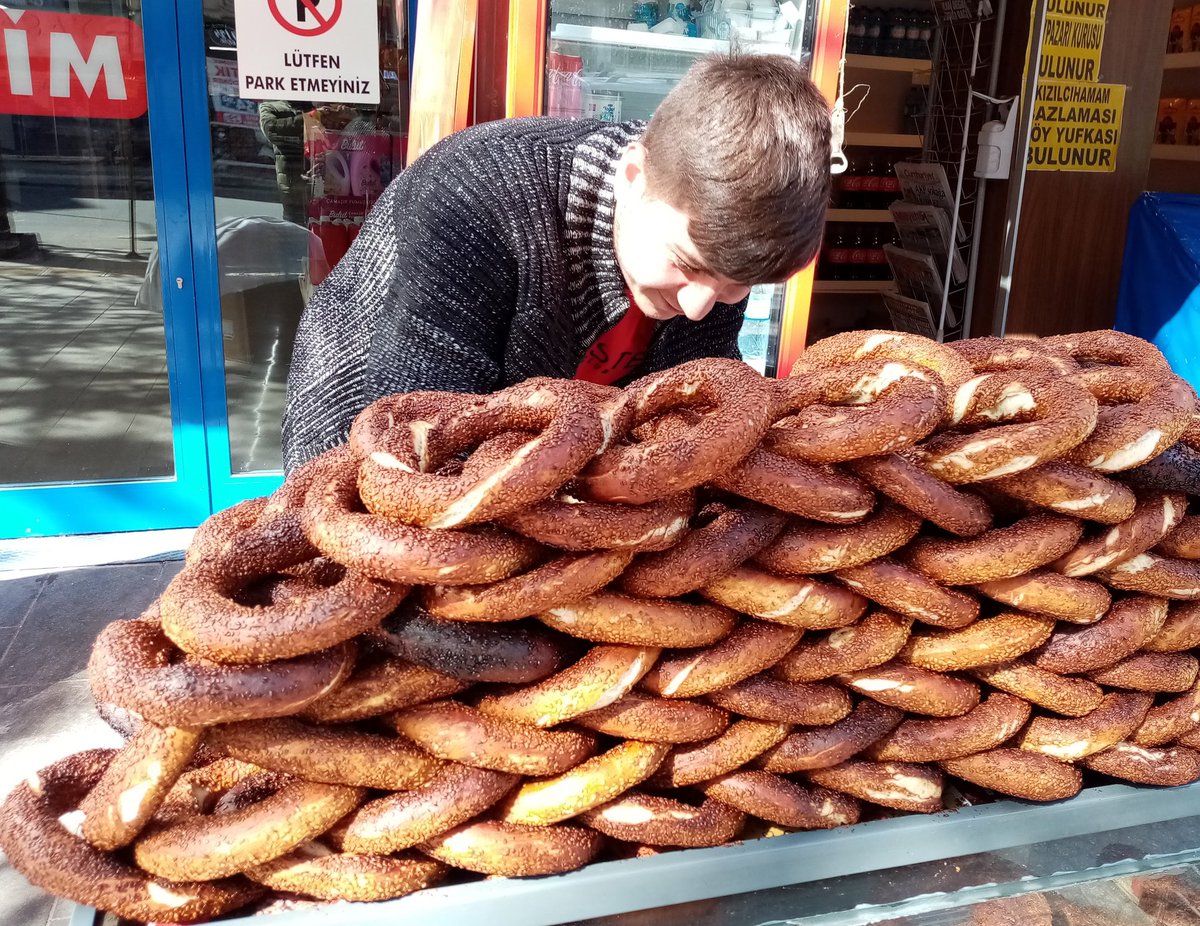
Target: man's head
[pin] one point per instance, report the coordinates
(726, 188)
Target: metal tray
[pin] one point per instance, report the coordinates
(610, 888)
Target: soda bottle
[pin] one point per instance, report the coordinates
(851, 182)
(925, 45)
(897, 32)
(859, 244)
(912, 37)
(872, 177)
(839, 253)
(889, 184)
(877, 263)
(856, 35)
(873, 43)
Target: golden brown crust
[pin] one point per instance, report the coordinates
(1180, 632)
(783, 802)
(874, 640)
(1070, 740)
(913, 689)
(1156, 515)
(568, 522)
(1076, 601)
(695, 762)
(764, 697)
(1144, 415)
(1168, 672)
(899, 478)
(1151, 574)
(985, 727)
(610, 617)
(1171, 720)
(752, 648)
(1171, 766)
(1071, 490)
(1028, 775)
(798, 602)
(379, 684)
(1183, 542)
(1002, 553)
(507, 850)
(808, 547)
(899, 785)
(638, 716)
(910, 593)
(458, 733)
(1129, 623)
(986, 642)
(824, 747)
(652, 819)
(314, 871)
(815, 491)
(1072, 697)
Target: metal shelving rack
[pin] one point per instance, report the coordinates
(967, 46)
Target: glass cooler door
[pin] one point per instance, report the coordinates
(615, 60)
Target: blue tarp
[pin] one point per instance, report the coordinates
(1160, 279)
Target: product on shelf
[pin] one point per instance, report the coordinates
(891, 33)
(512, 634)
(1172, 116)
(855, 251)
(1179, 36)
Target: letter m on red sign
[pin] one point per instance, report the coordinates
(62, 64)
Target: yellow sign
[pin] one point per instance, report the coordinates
(1076, 126)
(1076, 121)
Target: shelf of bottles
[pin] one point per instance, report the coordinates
(890, 33)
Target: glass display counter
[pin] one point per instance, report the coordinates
(1116, 848)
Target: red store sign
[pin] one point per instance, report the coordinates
(63, 64)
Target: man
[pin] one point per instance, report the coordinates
(550, 247)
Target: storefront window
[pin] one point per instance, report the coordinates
(293, 178)
(83, 374)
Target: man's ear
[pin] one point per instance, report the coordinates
(630, 182)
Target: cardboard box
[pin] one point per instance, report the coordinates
(1181, 26)
(1172, 112)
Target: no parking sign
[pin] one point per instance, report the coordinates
(326, 51)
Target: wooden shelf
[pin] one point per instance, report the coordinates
(883, 140)
(852, 286)
(880, 63)
(858, 215)
(1188, 59)
(1175, 153)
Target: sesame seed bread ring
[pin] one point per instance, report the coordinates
(1169, 767)
(377, 426)
(1142, 416)
(807, 547)
(204, 848)
(1150, 574)
(1170, 720)
(380, 683)
(752, 648)
(401, 820)
(898, 785)
(908, 592)
(811, 490)
(991, 355)
(593, 782)
(1166, 672)
(38, 846)
(131, 666)
(993, 722)
(1183, 542)
(1001, 553)
(738, 404)
(638, 716)
(400, 480)
(796, 601)
(765, 697)
(1049, 416)
(314, 870)
(1071, 490)
(1077, 601)
(1156, 515)
(986, 642)
(1071, 697)
(824, 747)
(561, 581)
(1070, 740)
(913, 689)
(778, 800)
(512, 653)
(454, 731)
(874, 640)
(1130, 622)
(660, 821)
(861, 409)
(337, 526)
(215, 532)
(722, 538)
(1016, 772)
(202, 615)
(1108, 348)
(568, 522)
(135, 783)
(1180, 632)
(1176, 469)
(692, 763)
(901, 480)
(849, 346)
(601, 677)
(1190, 739)
(610, 617)
(506, 850)
(323, 754)
(1022, 910)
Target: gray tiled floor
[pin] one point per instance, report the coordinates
(47, 625)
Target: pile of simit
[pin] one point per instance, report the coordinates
(515, 633)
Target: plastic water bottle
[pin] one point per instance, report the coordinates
(755, 332)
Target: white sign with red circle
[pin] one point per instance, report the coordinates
(323, 51)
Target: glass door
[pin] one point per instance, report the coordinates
(293, 175)
(100, 419)
(614, 60)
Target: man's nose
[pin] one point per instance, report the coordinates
(697, 299)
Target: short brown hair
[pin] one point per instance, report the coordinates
(742, 146)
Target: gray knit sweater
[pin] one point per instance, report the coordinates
(488, 261)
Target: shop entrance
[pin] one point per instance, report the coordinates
(158, 241)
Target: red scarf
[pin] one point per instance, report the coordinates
(620, 350)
